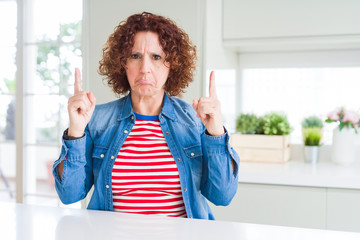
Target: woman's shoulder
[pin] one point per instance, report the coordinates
(184, 111)
(182, 105)
(106, 113)
(103, 109)
(107, 105)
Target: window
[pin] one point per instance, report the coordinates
(7, 99)
(300, 92)
(51, 51)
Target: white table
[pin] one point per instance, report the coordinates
(28, 222)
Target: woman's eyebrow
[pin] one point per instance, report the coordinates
(135, 51)
(152, 52)
(159, 52)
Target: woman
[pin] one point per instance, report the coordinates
(148, 152)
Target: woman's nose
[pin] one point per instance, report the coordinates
(145, 65)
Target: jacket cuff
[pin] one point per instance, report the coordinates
(74, 149)
(216, 145)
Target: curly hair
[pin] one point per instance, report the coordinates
(178, 49)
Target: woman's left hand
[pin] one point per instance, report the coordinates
(208, 109)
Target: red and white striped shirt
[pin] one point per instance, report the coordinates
(145, 178)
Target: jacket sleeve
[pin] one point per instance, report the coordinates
(220, 169)
(77, 177)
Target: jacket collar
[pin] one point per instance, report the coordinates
(125, 108)
(127, 111)
(168, 108)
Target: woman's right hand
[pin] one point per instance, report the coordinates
(80, 108)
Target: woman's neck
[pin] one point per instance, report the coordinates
(145, 105)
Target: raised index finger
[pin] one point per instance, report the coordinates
(77, 84)
(212, 86)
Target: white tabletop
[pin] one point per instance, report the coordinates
(28, 222)
(298, 173)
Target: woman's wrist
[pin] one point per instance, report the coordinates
(217, 133)
(71, 136)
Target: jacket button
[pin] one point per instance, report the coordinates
(107, 186)
(167, 133)
(192, 154)
(112, 157)
(132, 117)
(102, 155)
(185, 189)
(179, 160)
(125, 131)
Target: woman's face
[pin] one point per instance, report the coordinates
(146, 68)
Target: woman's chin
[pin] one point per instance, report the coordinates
(147, 92)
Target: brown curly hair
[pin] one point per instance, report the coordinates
(178, 49)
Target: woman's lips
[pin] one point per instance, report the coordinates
(144, 82)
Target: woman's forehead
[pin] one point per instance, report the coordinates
(147, 40)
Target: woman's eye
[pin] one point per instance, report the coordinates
(156, 57)
(134, 56)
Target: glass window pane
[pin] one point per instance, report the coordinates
(8, 22)
(42, 117)
(7, 171)
(71, 58)
(49, 15)
(39, 179)
(8, 69)
(7, 118)
(64, 116)
(42, 69)
(70, 32)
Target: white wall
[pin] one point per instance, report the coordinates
(281, 25)
(101, 17)
(216, 56)
(290, 18)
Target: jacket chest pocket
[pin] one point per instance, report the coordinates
(98, 156)
(194, 154)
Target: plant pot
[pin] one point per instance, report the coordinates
(343, 147)
(311, 154)
(261, 148)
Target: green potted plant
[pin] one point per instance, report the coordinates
(262, 139)
(312, 130)
(247, 123)
(276, 123)
(312, 136)
(312, 122)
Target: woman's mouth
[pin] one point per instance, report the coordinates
(144, 82)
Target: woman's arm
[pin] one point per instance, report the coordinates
(220, 169)
(73, 170)
(220, 162)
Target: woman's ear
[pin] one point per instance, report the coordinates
(167, 64)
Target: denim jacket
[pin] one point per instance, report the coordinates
(204, 162)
